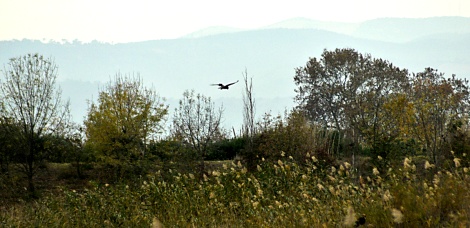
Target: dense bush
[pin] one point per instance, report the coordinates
(278, 194)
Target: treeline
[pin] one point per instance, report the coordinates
(349, 105)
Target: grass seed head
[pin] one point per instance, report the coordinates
(397, 215)
(350, 217)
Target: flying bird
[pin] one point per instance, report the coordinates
(222, 86)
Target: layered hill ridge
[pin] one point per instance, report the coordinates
(270, 55)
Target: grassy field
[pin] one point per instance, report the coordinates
(281, 193)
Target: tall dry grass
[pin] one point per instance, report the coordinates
(277, 194)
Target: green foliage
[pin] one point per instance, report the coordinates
(126, 117)
(226, 149)
(378, 105)
(294, 136)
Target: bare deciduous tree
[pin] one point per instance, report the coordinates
(34, 103)
(197, 122)
(249, 125)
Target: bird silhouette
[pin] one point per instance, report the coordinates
(222, 86)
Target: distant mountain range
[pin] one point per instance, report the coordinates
(269, 54)
(383, 29)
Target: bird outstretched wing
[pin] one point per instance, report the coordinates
(231, 83)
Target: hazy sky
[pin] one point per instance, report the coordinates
(136, 20)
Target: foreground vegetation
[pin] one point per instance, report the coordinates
(367, 140)
(413, 193)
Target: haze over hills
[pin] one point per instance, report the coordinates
(269, 54)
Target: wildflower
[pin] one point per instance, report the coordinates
(350, 217)
(239, 164)
(397, 216)
(280, 163)
(278, 204)
(215, 173)
(375, 171)
(244, 170)
(255, 204)
(457, 162)
(320, 186)
(465, 170)
(304, 177)
(106, 185)
(283, 153)
(224, 166)
(258, 168)
(347, 165)
(205, 177)
(428, 165)
(379, 157)
(341, 167)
